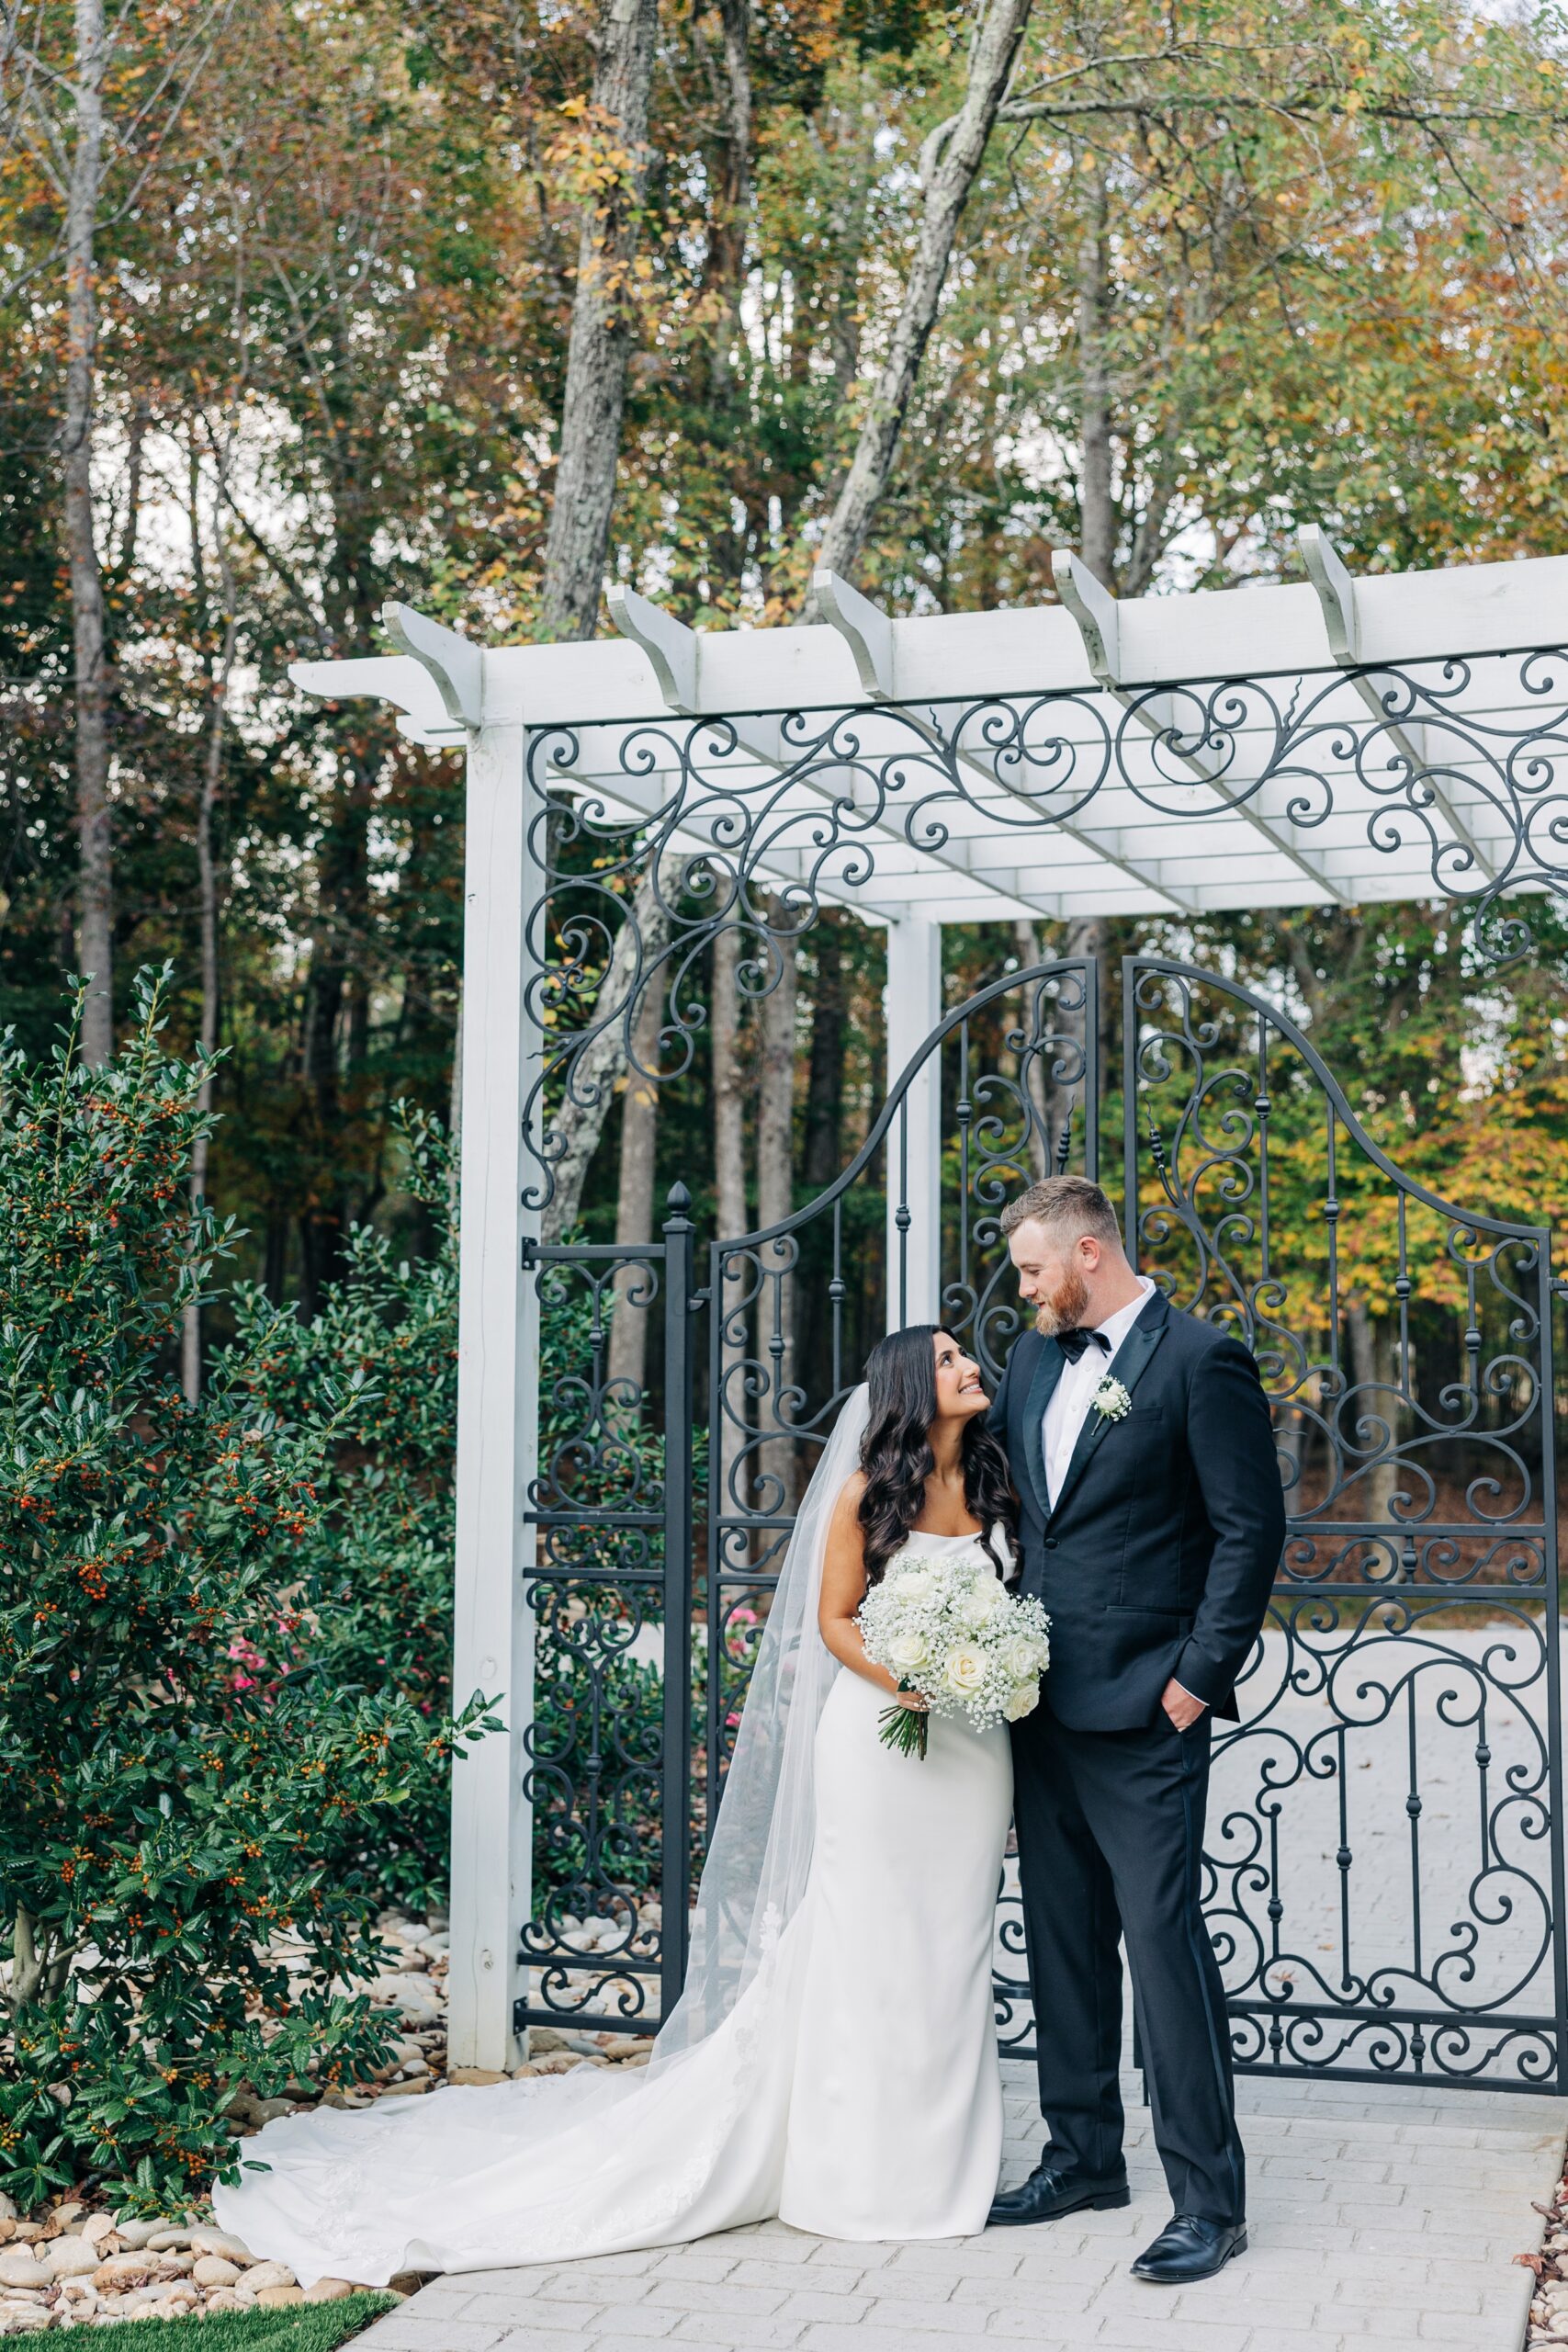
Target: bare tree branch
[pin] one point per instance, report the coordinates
(955, 152)
(601, 313)
(636, 957)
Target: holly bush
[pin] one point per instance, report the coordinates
(374, 1568)
(163, 1813)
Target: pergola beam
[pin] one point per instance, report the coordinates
(1335, 590)
(1093, 607)
(1316, 666)
(868, 631)
(675, 653)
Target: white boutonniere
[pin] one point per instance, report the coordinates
(1111, 1401)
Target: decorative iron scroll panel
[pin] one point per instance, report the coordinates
(1383, 1877)
(611, 1593)
(1447, 775)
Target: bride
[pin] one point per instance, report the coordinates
(832, 2059)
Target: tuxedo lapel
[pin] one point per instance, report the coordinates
(1129, 1365)
(1047, 1372)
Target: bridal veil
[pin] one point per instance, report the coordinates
(759, 1856)
(603, 2158)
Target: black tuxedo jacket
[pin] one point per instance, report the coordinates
(1159, 1556)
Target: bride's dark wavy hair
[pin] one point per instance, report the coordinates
(896, 1452)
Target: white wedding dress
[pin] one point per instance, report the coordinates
(851, 2087)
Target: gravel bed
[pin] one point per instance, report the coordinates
(78, 2265)
(1549, 2306)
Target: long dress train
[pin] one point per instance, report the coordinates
(852, 2088)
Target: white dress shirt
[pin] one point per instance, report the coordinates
(1074, 1391)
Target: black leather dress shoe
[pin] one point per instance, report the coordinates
(1189, 2248)
(1049, 2193)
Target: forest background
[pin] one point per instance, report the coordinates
(305, 306)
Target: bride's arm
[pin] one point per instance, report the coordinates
(843, 1590)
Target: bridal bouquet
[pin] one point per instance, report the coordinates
(945, 1627)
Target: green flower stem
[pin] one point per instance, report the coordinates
(906, 1728)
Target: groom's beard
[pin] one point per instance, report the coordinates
(1063, 1310)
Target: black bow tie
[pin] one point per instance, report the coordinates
(1073, 1344)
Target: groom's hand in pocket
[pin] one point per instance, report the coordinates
(1180, 1705)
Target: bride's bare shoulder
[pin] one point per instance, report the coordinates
(851, 1492)
(846, 1505)
(846, 1538)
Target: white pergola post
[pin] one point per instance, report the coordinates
(913, 1008)
(498, 1378)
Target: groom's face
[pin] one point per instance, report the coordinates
(1053, 1275)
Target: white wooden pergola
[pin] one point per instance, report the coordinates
(1338, 741)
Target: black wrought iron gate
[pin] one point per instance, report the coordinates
(610, 1780)
(1384, 1874)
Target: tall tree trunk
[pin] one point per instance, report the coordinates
(602, 326)
(322, 1221)
(274, 1257)
(845, 323)
(1090, 936)
(95, 922)
(593, 1077)
(1062, 1108)
(335, 1040)
(1372, 1369)
(725, 273)
(728, 1089)
(633, 1204)
(825, 1070)
(1026, 933)
(775, 1199)
(822, 1151)
(727, 256)
(730, 1187)
(949, 162)
(1097, 505)
(206, 887)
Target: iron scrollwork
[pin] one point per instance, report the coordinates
(653, 837)
(609, 1591)
(1401, 1712)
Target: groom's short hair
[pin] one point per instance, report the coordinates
(1067, 1205)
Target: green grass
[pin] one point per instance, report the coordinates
(293, 2327)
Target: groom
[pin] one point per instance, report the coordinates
(1152, 1525)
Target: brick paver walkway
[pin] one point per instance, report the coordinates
(1384, 2218)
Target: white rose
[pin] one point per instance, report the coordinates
(1021, 1701)
(983, 1602)
(907, 1652)
(966, 1669)
(1023, 1658)
(913, 1584)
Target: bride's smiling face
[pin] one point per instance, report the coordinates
(959, 1392)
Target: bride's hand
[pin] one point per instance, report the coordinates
(915, 1701)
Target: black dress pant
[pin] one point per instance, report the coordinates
(1110, 1840)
